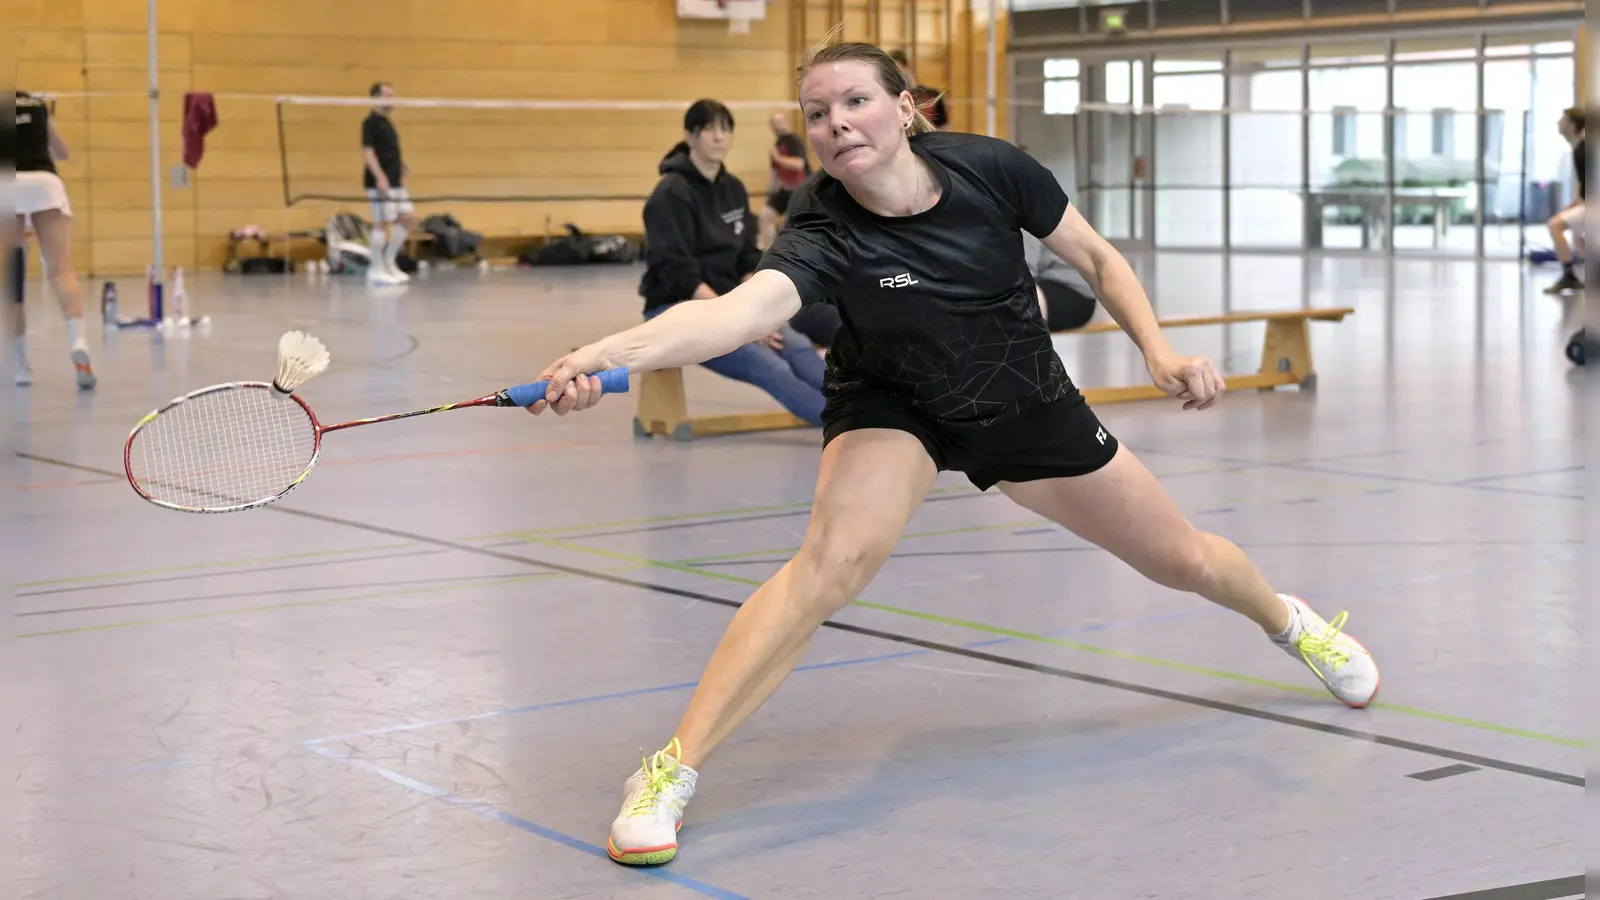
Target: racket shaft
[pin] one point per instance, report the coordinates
(490, 400)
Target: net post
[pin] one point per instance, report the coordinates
(158, 263)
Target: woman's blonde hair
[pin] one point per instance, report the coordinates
(889, 74)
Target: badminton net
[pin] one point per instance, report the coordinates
(505, 151)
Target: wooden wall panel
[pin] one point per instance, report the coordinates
(250, 53)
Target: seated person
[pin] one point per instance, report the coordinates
(700, 241)
(1571, 216)
(1065, 299)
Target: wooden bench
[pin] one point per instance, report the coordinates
(1285, 360)
(664, 411)
(1285, 351)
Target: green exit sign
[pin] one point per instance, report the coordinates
(1113, 20)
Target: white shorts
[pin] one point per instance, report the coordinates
(40, 191)
(388, 210)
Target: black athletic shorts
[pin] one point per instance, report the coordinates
(779, 200)
(1054, 440)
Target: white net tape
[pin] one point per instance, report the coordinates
(223, 448)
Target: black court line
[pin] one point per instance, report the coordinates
(1554, 889)
(1446, 772)
(1485, 762)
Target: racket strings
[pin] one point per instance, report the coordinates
(225, 448)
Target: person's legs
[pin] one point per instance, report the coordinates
(16, 249)
(398, 230)
(54, 229)
(760, 365)
(802, 357)
(1559, 224)
(869, 484)
(383, 214)
(1124, 510)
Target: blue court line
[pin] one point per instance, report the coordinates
(495, 814)
(685, 685)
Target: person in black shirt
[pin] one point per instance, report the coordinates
(33, 147)
(943, 361)
(1571, 217)
(383, 175)
(700, 244)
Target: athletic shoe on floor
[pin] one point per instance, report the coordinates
(645, 833)
(24, 375)
(1567, 283)
(1344, 666)
(84, 368)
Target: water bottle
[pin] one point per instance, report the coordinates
(108, 304)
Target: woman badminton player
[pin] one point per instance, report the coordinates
(943, 362)
(41, 203)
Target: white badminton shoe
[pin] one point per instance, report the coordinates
(645, 832)
(83, 369)
(1343, 665)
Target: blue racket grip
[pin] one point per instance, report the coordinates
(612, 381)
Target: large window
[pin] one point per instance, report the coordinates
(1442, 144)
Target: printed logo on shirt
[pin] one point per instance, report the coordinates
(735, 217)
(904, 279)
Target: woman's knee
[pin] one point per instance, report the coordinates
(1183, 565)
(839, 562)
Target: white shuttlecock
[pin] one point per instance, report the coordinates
(301, 358)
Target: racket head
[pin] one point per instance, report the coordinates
(223, 448)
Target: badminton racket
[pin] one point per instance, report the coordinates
(242, 445)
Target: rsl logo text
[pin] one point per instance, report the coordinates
(904, 279)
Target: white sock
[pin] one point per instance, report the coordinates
(75, 334)
(375, 249)
(397, 242)
(1288, 635)
(19, 351)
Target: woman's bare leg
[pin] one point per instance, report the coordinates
(55, 244)
(1123, 509)
(15, 245)
(869, 485)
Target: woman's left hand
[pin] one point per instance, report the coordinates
(774, 340)
(1192, 379)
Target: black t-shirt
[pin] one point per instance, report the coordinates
(28, 146)
(938, 307)
(1580, 167)
(378, 133)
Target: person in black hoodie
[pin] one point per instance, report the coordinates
(700, 242)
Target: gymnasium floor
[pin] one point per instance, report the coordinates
(426, 673)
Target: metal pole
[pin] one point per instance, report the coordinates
(991, 113)
(157, 262)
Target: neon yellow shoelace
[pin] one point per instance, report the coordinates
(659, 771)
(1326, 647)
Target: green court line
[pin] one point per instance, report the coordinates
(684, 517)
(1032, 637)
(300, 604)
(651, 520)
(969, 529)
(270, 607)
(134, 573)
